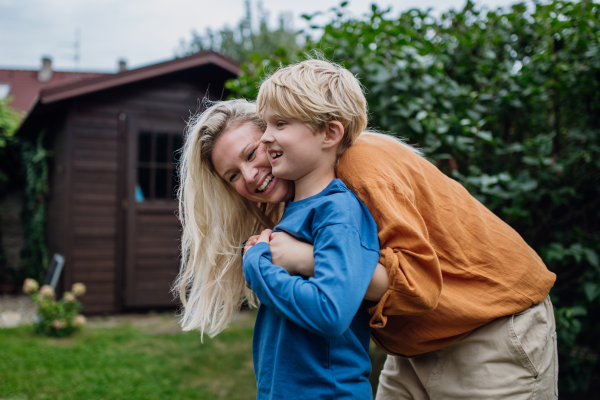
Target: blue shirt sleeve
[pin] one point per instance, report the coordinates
(326, 303)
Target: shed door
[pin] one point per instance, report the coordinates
(152, 227)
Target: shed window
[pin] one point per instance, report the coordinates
(156, 169)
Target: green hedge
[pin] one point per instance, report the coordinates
(508, 103)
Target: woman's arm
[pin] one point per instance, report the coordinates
(297, 258)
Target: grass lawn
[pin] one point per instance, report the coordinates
(128, 361)
(133, 358)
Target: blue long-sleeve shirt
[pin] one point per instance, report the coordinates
(311, 338)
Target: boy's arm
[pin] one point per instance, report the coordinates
(297, 258)
(326, 303)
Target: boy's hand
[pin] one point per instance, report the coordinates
(294, 256)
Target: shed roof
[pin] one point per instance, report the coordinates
(53, 95)
(79, 88)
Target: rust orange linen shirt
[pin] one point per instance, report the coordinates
(453, 265)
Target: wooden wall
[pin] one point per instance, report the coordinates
(125, 252)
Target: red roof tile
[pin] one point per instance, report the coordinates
(25, 86)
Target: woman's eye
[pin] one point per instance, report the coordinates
(251, 155)
(232, 177)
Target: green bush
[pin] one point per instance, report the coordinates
(508, 103)
(9, 121)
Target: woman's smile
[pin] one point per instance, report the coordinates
(242, 161)
(265, 183)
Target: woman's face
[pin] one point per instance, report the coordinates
(241, 159)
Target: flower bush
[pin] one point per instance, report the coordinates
(58, 318)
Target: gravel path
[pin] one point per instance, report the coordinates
(19, 310)
(16, 310)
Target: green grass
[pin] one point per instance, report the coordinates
(127, 362)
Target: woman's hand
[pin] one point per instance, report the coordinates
(378, 285)
(264, 237)
(294, 256)
(252, 240)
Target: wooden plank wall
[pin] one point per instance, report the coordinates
(156, 257)
(57, 179)
(96, 206)
(94, 178)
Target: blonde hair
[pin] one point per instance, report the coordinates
(317, 92)
(216, 220)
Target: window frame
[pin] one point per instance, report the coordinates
(153, 166)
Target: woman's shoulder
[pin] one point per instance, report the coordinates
(377, 157)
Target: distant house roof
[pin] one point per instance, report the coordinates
(25, 85)
(62, 92)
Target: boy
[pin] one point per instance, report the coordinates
(311, 338)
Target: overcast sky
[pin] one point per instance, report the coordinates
(143, 32)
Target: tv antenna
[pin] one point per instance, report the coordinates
(76, 56)
(77, 49)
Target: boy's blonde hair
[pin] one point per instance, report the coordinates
(317, 92)
(216, 220)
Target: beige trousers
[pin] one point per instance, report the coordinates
(512, 357)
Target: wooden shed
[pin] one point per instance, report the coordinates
(111, 207)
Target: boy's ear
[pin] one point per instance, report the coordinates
(334, 133)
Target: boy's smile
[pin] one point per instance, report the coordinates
(274, 155)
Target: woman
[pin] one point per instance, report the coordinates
(456, 273)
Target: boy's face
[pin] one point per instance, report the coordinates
(293, 149)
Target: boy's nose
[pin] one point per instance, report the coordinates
(267, 137)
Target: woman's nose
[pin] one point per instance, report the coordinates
(249, 173)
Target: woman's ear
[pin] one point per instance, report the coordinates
(334, 133)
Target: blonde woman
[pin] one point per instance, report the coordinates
(463, 295)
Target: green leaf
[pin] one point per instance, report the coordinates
(592, 257)
(579, 311)
(415, 125)
(485, 135)
(591, 291)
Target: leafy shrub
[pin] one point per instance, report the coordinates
(34, 158)
(57, 318)
(508, 103)
(9, 121)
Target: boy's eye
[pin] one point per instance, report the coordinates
(280, 124)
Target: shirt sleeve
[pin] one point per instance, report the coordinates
(415, 276)
(326, 303)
